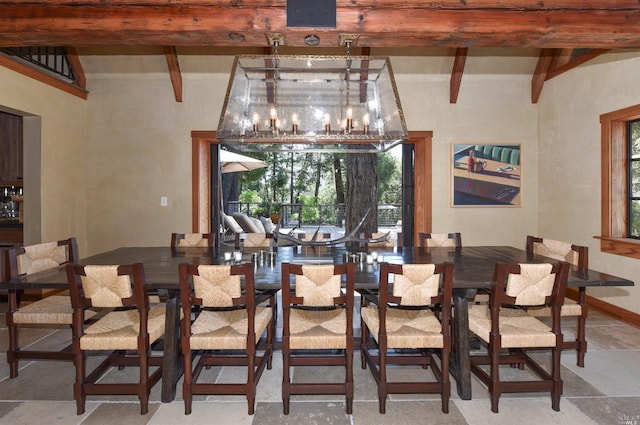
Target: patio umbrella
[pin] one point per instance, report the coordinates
(231, 162)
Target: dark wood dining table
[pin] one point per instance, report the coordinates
(473, 270)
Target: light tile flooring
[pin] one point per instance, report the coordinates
(606, 391)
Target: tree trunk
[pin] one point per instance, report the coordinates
(362, 178)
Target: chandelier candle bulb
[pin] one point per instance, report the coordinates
(313, 98)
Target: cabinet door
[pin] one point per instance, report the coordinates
(10, 148)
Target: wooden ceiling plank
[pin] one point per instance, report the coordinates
(456, 73)
(411, 25)
(542, 68)
(174, 71)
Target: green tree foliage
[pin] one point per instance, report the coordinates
(311, 179)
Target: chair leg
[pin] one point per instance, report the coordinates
(143, 384)
(12, 352)
(494, 390)
(251, 384)
(556, 391)
(186, 383)
(78, 386)
(382, 380)
(581, 349)
(445, 382)
(286, 396)
(349, 380)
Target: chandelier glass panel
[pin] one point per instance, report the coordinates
(312, 103)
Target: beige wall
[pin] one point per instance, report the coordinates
(490, 109)
(63, 122)
(130, 141)
(569, 160)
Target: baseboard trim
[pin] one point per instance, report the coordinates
(619, 313)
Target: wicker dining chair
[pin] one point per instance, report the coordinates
(125, 332)
(228, 322)
(510, 333)
(317, 327)
(434, 240)
(51, 310)
(578, 256)
(409, 321)
(187, 240)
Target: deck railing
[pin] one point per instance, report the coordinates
(298, 215)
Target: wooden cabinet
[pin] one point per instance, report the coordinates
(10, 148)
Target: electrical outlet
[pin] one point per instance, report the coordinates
(163, 201)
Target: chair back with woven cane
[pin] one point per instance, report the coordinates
(55, 309)
(222, 324)
(576, 306)
(436, 240)
(190, 240)
(510, 332)
(408, 323)
(317, 326)
(126, 330)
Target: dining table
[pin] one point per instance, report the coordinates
(473, 270)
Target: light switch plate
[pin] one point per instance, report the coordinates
(163, 201)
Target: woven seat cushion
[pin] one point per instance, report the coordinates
(517, 328)
(569, 308)
(226, 330)
(118, 330)
(54, 310)
(406, 328)
(193, 240)
(318, 329)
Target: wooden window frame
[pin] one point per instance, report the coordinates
(201, 181)
(614, 156)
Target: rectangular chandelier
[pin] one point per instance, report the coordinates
(312, 103)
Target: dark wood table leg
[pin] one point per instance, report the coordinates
(172, 365)
(461, 364)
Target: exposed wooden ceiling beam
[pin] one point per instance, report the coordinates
(174, 71)
(456, 73)
(380, 23)
(574, 61)
(540, 74)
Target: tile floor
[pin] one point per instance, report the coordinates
(606, 391)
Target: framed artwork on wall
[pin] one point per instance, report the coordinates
(486, 175)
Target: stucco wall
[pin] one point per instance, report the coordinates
(63, 122)
(490, 109)
(140, 146)
(130, 142)
(569, 160)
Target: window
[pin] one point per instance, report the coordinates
(620, 169)
(633, 205)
